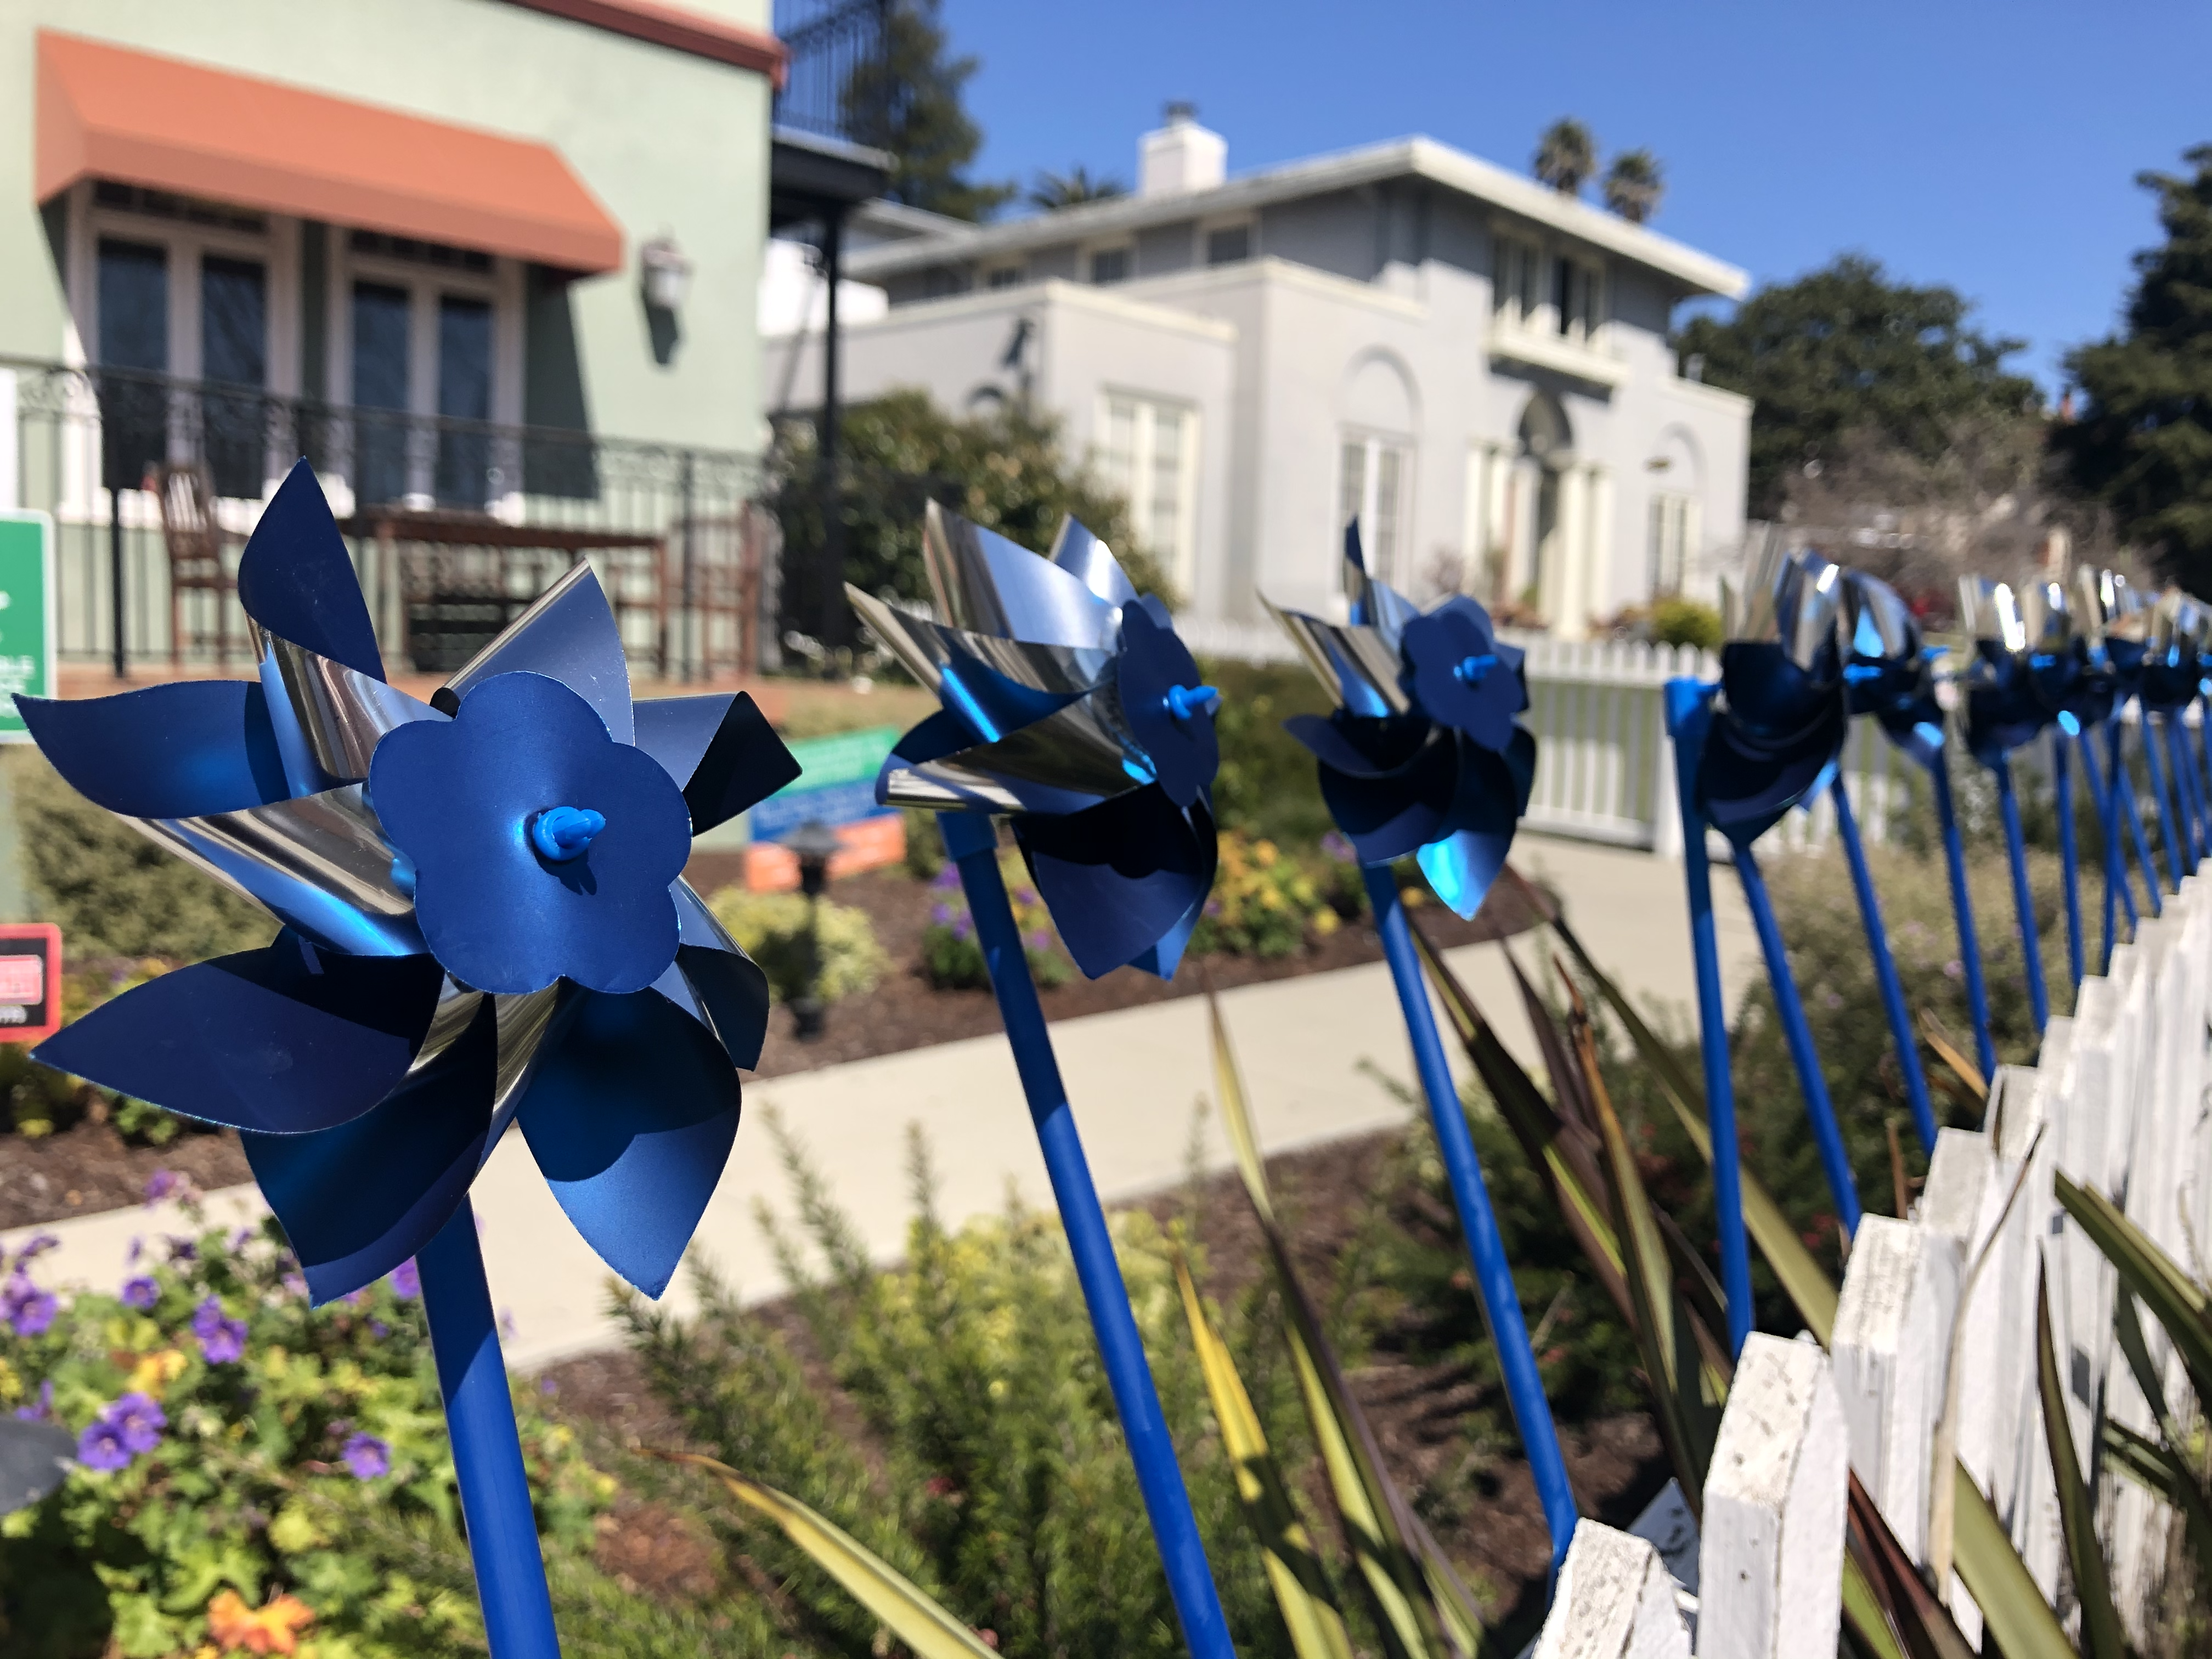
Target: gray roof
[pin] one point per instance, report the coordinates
(956, 241)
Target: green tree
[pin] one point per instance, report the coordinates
(907, 101)
(1844, 350)
(1565, 156)
(1055, 190)
(1634, 184)
(2143, 444)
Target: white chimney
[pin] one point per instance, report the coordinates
(1180, 155)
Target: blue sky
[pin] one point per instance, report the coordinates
(1990, 147)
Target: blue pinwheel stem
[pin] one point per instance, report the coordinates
(2161, 796)
(2023, 900)
(1797, 1036)
(2120, 891)
(1885, 969)
(518, 1611)
(2124, 792)
(2062, 788)
(969, 838)
(1689, 718)
(1493, 1273)
(2184, 779)
(1962, 911)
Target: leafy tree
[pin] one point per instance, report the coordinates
(2144, 443)
(1634, 184)
(1055, 190)
(1565, 156)
(907, 101)
(1843, 349)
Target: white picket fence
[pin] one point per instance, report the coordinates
(1604, 770)
(2117, 1103)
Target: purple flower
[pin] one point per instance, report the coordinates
(1025, 896)
(378, 1329)
(368, 1456)
(241, 1238)
(101, 1447)
(963, 928)
(407, 1281)
(39, 1409)
(26, 1310)
(1953, 967)
(295, 1284)
(1337, 846)
(138, 1420)
(942, 915)
(137, 1249)
(222, 1339)
(36, 1246)
(945, 879)
(1037, 940)
(140, 1293)
(183, 1249)
(355, 1298)
(161, 1184)
(548, 1387)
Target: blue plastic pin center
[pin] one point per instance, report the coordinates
(1184, 701)
(562, 832)
(1471, 671)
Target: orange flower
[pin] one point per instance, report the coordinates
(273, 1629)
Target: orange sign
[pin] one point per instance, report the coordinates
(30, 981)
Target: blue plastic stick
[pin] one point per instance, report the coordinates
(1689, 717)
(2124, 787)
(518, 1612)
(1493, 1273)
(2023, 901)
(2192, 807)
(971, 840)
(2162, 795)
(1827, 1136)
(2062, 788)
(2117, 888)
(1962, 910)
(1885, 968)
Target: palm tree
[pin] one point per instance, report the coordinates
(1055, 190)
(1634, 184)
(1565, 156)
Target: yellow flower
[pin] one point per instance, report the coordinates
(11, 1386)
(272, 1629)
(152, 1373)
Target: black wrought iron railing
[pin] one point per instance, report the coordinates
(834, 46)
(153, 482)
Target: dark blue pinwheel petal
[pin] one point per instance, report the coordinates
(1184, 749)
(1486, 808)
(720, 750)
(1390, 814)
(1744, 787)
(1166, 955)
(991, 704)
(733, 992)
(358, 1200)
(168, 751)
(2004, 707)
(1461, 674)
(568, 633)
(458, 797)
(1770, 699)
(285, 1040)
(1118, 877)
(1359, 745)
(631, 1118)
(296, 580)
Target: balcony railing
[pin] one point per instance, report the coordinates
(454, 525)
(829, 41)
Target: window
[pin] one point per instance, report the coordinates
(1109, 264)
(1148, 453)
(1672, 517)
(1005, 276)
(1577, 295)
(1228, 245)
(1515, 295)
(1371, 475)
(134, 334)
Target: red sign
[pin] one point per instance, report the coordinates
(30, 981)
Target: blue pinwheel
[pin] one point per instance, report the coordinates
(1070, 706)
(2119, 622)
(1422, 757)
(2172, 675)
(482, 919)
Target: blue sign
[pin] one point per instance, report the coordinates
(840, 802)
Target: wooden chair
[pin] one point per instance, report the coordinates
(196, 542)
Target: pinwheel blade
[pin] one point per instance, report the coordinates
(727, 984)
(720, 749)
(1118, 876)
(568, 633)
(631, 1118)
(1092, 562)
(296, 580)
(285, 1040)
(358, 1200)
(1388, 815)
(989, 585)
(339, 713)
(168, 751)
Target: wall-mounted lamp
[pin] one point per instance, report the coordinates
(666, 273)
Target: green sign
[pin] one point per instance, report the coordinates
(848, 757)
(27, 615)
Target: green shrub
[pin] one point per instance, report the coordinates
(1264, 903)
(925, 844)
(952, 958)
(267, 1435)
(1678, 621)
(1267, 785)
(784, 932)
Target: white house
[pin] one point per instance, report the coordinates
(1473, 363)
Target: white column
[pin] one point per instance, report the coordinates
(1571, 581)
(1474, 508)
(11, 483)
(1497, 516)
(1770, 1568)
(1598, 552)
(1614, 1600)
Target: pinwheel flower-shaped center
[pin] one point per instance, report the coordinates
(1451, 660)
(513, 894)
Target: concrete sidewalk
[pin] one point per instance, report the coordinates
(1135, 1078)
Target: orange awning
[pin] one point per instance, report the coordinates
(107, 112)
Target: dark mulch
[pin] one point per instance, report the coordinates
(1479, 1497)
(90, 1167)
